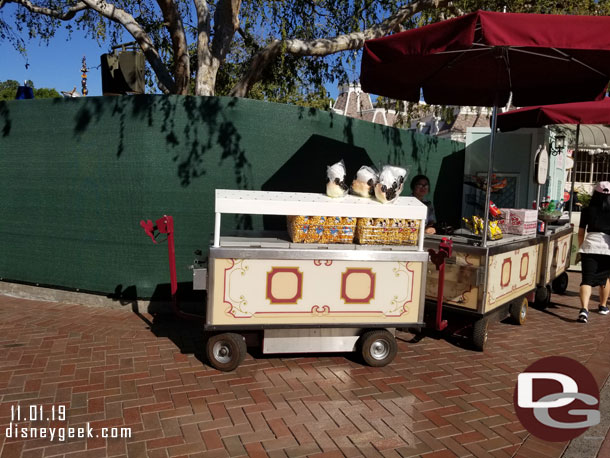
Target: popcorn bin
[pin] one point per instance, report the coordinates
(321, 229)
(387, 231)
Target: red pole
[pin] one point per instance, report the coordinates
(438, 259)
(440, 325)
(165, 225)
(171, 249)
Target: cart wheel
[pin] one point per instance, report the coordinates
(543, 297)
(378, 347)
(479, 334)
(226, 351)
(560, 284)
(518, 311)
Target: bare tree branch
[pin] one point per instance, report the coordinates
(212, 53)
(248, 38)
(57, 14)
(328, 46)
(110, 11)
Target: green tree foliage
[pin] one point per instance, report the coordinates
(281, 50)
(8, 91)
(45, 93)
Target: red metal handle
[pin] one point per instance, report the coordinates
(445, 249)
(165, 225)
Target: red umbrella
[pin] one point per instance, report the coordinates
(484, 57)
(597, 112)
(480, 58)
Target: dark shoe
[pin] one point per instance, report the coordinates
(583, 316)
(603, 310)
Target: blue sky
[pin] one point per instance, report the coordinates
(58, 65)
(55, 66)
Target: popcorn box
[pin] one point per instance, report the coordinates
(321, 229)
(387, 231)
(504, 220)
(522, 221)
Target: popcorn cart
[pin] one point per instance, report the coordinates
(488, 59)
(328, 295)
(554, 263)
(499, 280)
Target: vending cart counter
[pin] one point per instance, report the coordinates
(270, 282)
(554, 262)
(481, 279)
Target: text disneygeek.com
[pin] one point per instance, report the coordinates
(37, 413)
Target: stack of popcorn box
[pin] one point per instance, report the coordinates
(321, 229)
(387, 231)
(519, 221)
(504, 220)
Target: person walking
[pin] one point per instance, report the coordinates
(594, 242)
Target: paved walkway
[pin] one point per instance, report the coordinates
(116, 369)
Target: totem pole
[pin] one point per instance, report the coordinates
(84, 69)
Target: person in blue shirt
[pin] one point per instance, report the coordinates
(420, 187)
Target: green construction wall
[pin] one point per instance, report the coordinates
(79, 174)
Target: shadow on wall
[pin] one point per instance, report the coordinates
(448, 199)
(6, 119)
(422, 147)
(305, 171)
(208, 127)
(393, 138)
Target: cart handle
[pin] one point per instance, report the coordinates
(149, 229)
(165, 225)
(438, 259)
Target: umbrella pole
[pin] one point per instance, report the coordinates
(494, 119)
(574, 172)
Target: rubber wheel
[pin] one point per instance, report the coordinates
(378, 347)
(518, 311)
(479, 334)
(543, 297)
(226, 351)
(560, 284)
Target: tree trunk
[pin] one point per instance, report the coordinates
(205, 79)
(226, 22)
(179, 46)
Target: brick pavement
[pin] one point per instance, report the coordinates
(113, 368)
